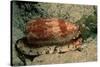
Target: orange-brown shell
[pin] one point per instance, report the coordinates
(46, 30)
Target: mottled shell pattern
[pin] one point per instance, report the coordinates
(51, 31)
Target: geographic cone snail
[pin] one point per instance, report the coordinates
(44, 36)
